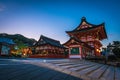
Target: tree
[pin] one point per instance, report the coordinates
(116, 51)
(116, 43)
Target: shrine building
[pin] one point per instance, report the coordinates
(6, 45)
(50, 48)
(85, 39)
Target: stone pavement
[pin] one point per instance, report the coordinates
(13, 69)
(87, 70)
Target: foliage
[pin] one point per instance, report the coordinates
(112, 58)
(20, 41)
(116, 43)
(18, 38)
(116, 51)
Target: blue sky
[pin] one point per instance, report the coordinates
(52, 18)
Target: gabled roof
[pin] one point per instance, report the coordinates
(89, 28)
(6, 40)
(78, 42)
(86, 29)
(84, 22)
(45, 40)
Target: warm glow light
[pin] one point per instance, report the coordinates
(98, 50)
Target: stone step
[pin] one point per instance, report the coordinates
(117, 73)
(71, 66)
(108, 74)
(64, 64)
(58, 62)
(89, 70)
(81, 67)
(97, 73)
(68, 63)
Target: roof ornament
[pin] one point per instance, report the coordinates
(83, 19)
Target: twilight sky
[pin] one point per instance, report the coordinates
(52, 18)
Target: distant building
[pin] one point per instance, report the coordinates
(78, 49)
(6, 45)
(85, 39)
(111, 46)
(114, 44)
(48, 47)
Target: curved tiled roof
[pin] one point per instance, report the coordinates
(81, 42)
(78, 29)
(84, 20)
(50, 41)
(85, 29)
(6, 40)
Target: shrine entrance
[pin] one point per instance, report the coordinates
(75, 52)
(87, 37)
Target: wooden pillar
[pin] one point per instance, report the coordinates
(69, 52)
(80, 51)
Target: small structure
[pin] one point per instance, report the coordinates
(110, 47)
(85, 39)
(78, 49)
(47, 47)
(6, 45)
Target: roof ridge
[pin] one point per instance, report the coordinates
(76, 39)
(83, 19)
(88, 28)
(50, 38)
(50, 41)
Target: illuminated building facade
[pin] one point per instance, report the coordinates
(47, 47)
(85, 39)
(6, 45)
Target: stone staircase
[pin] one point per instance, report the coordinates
(86, 70)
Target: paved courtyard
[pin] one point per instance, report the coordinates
(56, 69)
